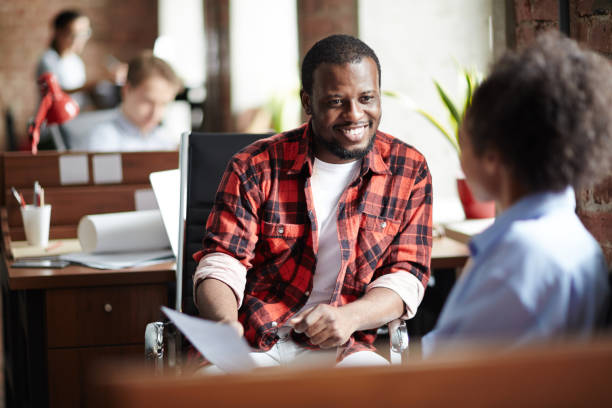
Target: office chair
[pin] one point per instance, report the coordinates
(202, 161)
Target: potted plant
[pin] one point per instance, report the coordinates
(471, 207)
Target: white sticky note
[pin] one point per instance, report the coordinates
(144, 199)
(107, 169)
(73, 169)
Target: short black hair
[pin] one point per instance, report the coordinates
(64, 18)
(547, 111)
(336, 49)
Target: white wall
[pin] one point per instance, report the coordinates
(417, 41)
(264, 51)
(181, 39)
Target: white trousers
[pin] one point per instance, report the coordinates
(286, 352)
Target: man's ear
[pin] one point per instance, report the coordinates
(306, 102)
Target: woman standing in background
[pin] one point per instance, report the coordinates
(71, 30)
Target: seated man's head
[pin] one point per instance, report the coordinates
(151, 84)
(541, 121)
(341, 92)
(71, 30)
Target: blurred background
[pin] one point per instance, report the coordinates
(240, 59)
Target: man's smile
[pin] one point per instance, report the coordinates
(354, 133)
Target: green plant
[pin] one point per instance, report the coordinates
(456, 111)
(472, 79)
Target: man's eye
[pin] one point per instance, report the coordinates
(335, 102)
(367, 98)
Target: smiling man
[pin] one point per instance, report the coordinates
(321, 234)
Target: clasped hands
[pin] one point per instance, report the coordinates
(326, 326)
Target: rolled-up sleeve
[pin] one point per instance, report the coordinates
(224, 268)
(406, 285)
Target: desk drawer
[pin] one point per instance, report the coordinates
(106, 315)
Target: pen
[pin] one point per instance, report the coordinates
(18, 197)
(38, 195)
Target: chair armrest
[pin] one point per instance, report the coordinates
(154, 341)
(398, 341)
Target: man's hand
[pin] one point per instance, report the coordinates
(325, 325)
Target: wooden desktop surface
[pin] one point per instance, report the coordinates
(446, 253)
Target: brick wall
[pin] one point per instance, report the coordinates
(120, 28)
(320, 18)
(591, 24)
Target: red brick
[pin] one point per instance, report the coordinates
(599, 224)
(522, 10)
(607, 250)
(547, 10)
(600, 38)
(583, 7)
(602, 193)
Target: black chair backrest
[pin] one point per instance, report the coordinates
(207, 157)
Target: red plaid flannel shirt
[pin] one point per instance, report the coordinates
(264, 217)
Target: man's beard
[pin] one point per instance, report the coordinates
(344, 154)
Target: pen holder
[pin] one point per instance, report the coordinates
(36, 221)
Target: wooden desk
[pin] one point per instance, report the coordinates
(446, 253)
(571, 375)
(58, 322)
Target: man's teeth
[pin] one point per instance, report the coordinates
(354, 132)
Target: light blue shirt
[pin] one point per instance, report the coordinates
(118, 134)
(536, 275)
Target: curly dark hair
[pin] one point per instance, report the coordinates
(547, 111)
(336, 49)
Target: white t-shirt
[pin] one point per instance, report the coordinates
(328, 182)
(69, 70)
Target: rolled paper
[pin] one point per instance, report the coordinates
(122, 232)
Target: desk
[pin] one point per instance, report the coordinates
(446, 253)
(568, 375)
(58, 322)
(62, 320)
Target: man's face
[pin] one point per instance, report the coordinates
(144, 105)
(345, 110)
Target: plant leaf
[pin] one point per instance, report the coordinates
(470, 90)
(449, 103)
(452, 140)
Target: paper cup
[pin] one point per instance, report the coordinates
(36, 221)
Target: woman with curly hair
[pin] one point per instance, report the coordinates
(539, 127)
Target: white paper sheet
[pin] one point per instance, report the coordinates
(218, 342)
(107, 169)
(73, 169)
(166, 185)
(130, 231)
(120, 260)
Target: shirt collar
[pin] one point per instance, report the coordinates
(532, 206)
(304, 159)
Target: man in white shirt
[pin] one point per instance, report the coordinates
(151, 85)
